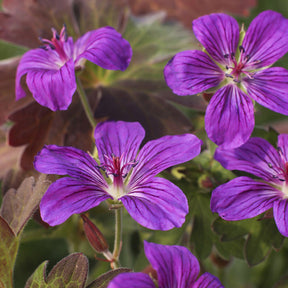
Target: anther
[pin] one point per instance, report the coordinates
(226, 56)
(43, 47)
(241, 48)
(269, 165)
(247, 57)
(228, 75)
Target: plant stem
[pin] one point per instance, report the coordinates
(118, 237)
(85, 103)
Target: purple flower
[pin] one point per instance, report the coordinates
(243, 197)
(51, 69)
(154, 202)
(237, 69)
(176, 267)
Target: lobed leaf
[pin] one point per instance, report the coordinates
(19, 205)
(8, 250)
(69, 272)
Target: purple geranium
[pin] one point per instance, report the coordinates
(154, 202)
(176, 267)
(243, 197)
(51, 69)
(237, 70)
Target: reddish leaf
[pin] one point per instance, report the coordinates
(19, 205)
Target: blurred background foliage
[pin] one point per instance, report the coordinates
(243, 254)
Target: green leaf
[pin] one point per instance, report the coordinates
(8, 250)
(69, 272)
(260, 235)
(201, 236)
(19, 205)
(103, 280)
(9, 50)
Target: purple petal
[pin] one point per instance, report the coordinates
(132, 280)
(266, 39)
(176, 266)
(53, 159)
(243, 198)
(53, 88)
(119, 139)
(159, 154)
(104, 47)
(157, 204)
(207, 280)
(229, 119)
(269, 88)
(50, 78)
(257, 156)
(280, 210)
(219, 34)
(191, 72)
(283, 145)
(69, 196)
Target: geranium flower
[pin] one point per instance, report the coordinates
(237, 69)
(154, 202)
(176, 267)
(243, 197)
(51, 69)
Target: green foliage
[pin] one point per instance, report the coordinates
(260, 235)
(69, 272)
(8, 50)
(8, 250)
(103, 280)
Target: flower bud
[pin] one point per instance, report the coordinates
(94, 235)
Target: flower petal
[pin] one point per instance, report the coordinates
(119, 139)
(283, 145)
(229, 119)
(53, 88)
(280, 210)
(243, 198)
(159, 154)
(219, 34)
(132, 280)
(58, 160)
(257, 156)
(266, 39)
(191, 72)
(105, 47)
(207, 280)
(176, 266)
(45, 61)
(269, 88)
(157, 204)
(69, 196)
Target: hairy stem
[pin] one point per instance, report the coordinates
(118, 237)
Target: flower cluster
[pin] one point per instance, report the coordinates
(154, 202)
(235, 66)
(238, 68)
(176, 267)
